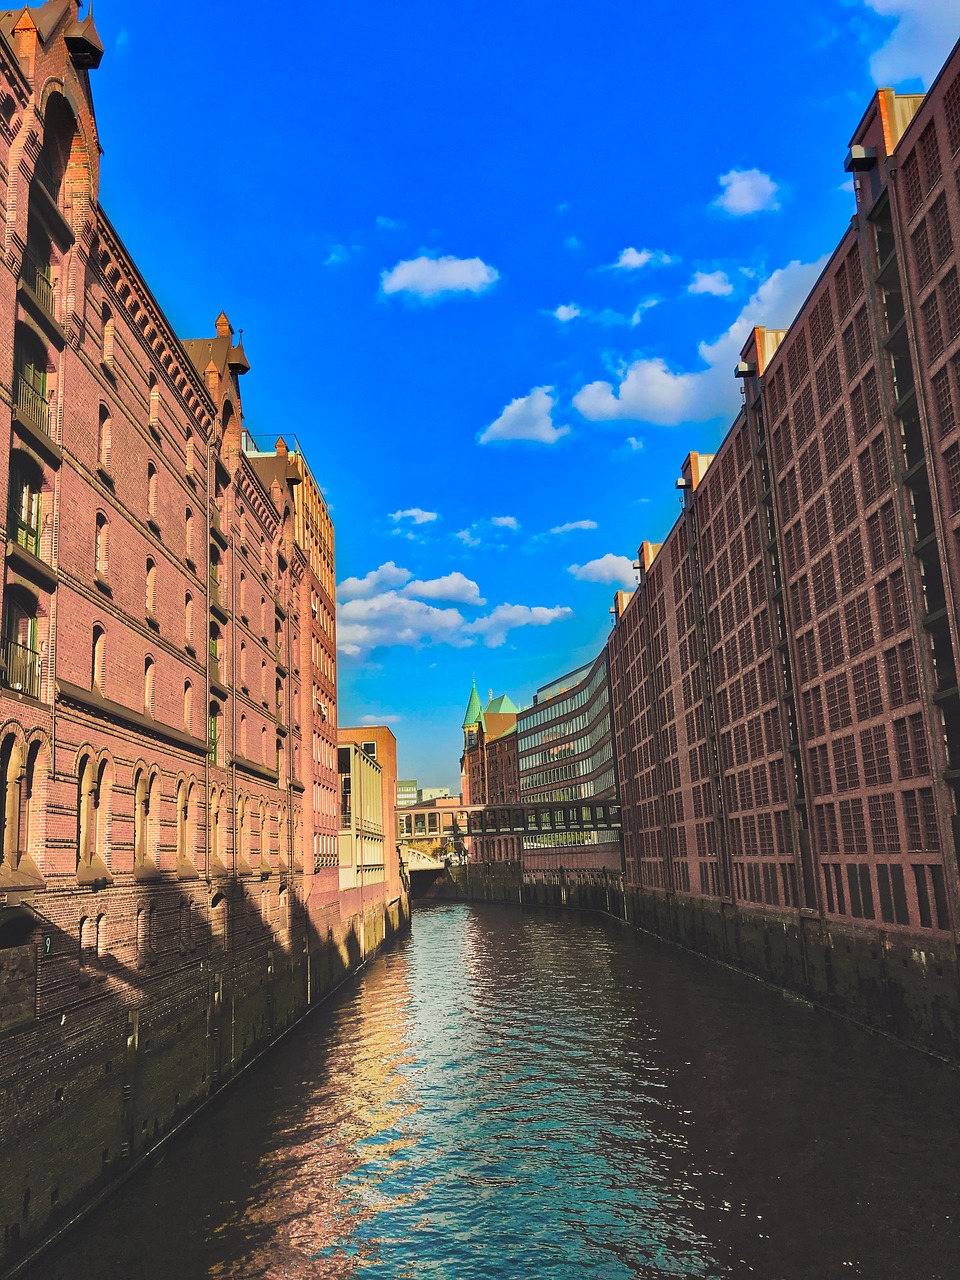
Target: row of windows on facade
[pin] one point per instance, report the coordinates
(155, 934)
(94, 794)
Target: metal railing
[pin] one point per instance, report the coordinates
(36, 274)
(22, 668)
(32, 405)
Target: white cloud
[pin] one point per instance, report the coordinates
(528, 417)
(572, 242)
(574, 524)
(641, 309)
(635, 444)
(714, 282)
(468, 537)
(416, 514)
(337, 255)
(633, 259)
(507, 617)
(505, 522)
(428, 277)
(566, 312)
(746, 191)
(609, 569)
(393, 619)
(377, 720)
(924, 34)
(389, 575)
(388, 224)
(455, 588)
(650, 391)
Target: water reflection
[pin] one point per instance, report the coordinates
(512, 1096)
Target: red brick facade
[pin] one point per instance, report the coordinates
(784, 680)
(163, 912)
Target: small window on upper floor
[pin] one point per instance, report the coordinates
(188, 534)
(104, 440)
(190, 454)
(101, 554)
(98, 658)
(151, 595)
(154, 395)
(149, 686)
(152, 491)
(369, 749)
(188, 618)
(107, 337)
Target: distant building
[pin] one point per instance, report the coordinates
(436, 827)
(408, 792)
(378, 743)
(565, 752)
(361, 819)
(489, 770)
(433, 793)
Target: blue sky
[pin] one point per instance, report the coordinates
(492, 262)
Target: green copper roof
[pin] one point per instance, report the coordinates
(474, 712)
(501, 706)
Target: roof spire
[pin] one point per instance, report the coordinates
(474, 711)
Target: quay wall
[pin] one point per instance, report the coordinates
(907, 988)
(92, 1091)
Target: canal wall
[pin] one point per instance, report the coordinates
(906, 988)
(136, 1051)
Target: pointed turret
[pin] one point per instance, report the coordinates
(474, 712)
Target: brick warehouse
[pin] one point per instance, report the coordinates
(784, 678)
(783, 681)
(167, 690)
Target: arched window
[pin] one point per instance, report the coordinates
(188, 618)
(88, 805)
(152, 483)
(215, 829)
(102, 939)
(31, 364)
(151, 600)
(182, 819)
(242, 595)
(188, 533)
(263, 681)
(105, 440)
(190, 454)
(263, 834)
(243, 735)
(11, 773)
(243, 666)
(26, 483)
(240, 835)
(141, 816)
(213, 731)
(264, 758)
(98, 659)
(143, 935)
(88, 942)
(219, 922)
(149, 674)
(188, 706)
(101, 547)
(108, 337)
(19, 641)
(154, 403)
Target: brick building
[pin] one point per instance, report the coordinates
(163, 902)
(786, 711)
(489, 771)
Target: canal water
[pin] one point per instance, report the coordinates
(520, 1096)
